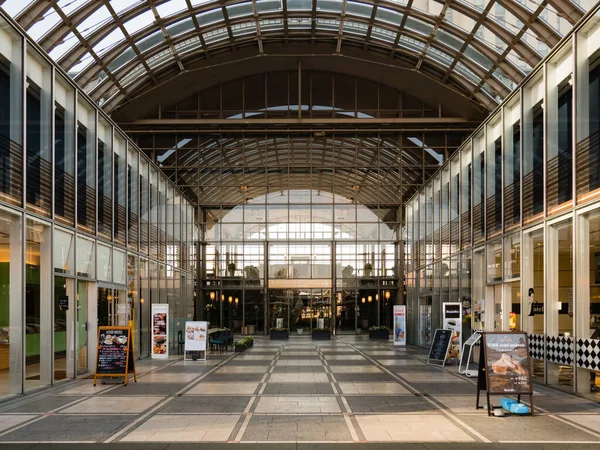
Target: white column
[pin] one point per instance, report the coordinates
(582, 295)
(71, 327)
(92, 325)
(16, 306)
(46, 307)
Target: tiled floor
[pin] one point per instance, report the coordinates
(346, 390)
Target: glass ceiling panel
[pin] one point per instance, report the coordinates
(514, 17)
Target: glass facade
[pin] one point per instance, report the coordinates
(74, 249)
(533, 183)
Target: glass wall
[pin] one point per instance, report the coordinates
(534, 267)
(66, 269)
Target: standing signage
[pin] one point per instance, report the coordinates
(505, 366)
(399, 324)
(439, 346)
(453, 321)
(196, 335)
(467, 353)
(114, 356)
(160, 331)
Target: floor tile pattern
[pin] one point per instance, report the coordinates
(345, 390)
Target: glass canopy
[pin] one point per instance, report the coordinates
(114, 48)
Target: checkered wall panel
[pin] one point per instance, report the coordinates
(588, 354)
(536, 346)
(559, 350)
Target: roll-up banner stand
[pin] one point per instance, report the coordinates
(399, 324)
(452, 319)
(160, 331)
(196, 335)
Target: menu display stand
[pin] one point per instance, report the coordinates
(465, 357)
(114, 355)
(438, 352)
(196, 335)
(504, 367)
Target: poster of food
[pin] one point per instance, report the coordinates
(453, 321)
(399, 324)
(160, 331)
(196, 334)
(508, 366)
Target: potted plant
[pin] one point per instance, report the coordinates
(231, 269)
(239, 346)
(368, 268)
(279, 334)
(321, 334)
(379, 333)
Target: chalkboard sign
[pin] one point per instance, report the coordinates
(114, 356)
(439, 345)
(505, 366)
(63, 303)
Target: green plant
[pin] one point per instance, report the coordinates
(279, 329)
(244, 341)
(368, 266)
(379, 328)
(231, 266)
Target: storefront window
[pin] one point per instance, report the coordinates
(454, 205)
(86, 167)
(64, 151)
(38, 132)
(494, 177)
(104, 255)
(512, 164)
(559, 146)
(11, 304)
(445, 213)
(86, 263)
(588, 111)
(120, 189)
(133, 180)
(512, 257)
(11, 136)
(533, 282)
(494, 262)
(533, 141)
(105, 179)
(465, 197)
(63, 252)
(478, 188)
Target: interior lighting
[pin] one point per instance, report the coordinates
(387, 295)
(363, 299)
(376, 297)
(212, 295)
(236, 300)
(230, 299)
(141, 300)
(370, 299)
(222, 297)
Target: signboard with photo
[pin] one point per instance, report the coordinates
(196, 335)
(114, 355)
(505, 366)
(453, 321)
(160, 331)
(399, 324)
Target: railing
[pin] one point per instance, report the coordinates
(119, 230)
(11, 170)
(558, 179)
(478, 230)
(86, 206)
(465, 229)
(511, 204)
(493, 214)
(588, 165)
(133, 231)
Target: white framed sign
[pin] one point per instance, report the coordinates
(160, 331)
(399, 324)
(452, 320)
(196, 335)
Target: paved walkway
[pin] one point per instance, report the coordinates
(348, 390)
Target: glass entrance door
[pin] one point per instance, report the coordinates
(113, 308)
(345, 311)
(425, 320)
(81, 315)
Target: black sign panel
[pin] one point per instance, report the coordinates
(452, 311)
(113, 350)
(439, 344)
(63, 303)
(507, 363)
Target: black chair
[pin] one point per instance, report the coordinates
(217, 339)
(180, 341)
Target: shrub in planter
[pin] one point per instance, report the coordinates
(243, 344)
(279, 334)
(239, 347)
(379, 333)
(321, 334)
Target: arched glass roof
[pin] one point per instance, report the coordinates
(115, 48)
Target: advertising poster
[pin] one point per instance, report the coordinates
(160, 331)
(399, 325)
(196, 335)
(507, 362)
(453, 321)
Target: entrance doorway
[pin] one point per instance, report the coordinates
(113, 307)
(425, 320)
(300, 310)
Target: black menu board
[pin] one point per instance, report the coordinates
(439, 345)
(114, 357)
(508, 367)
